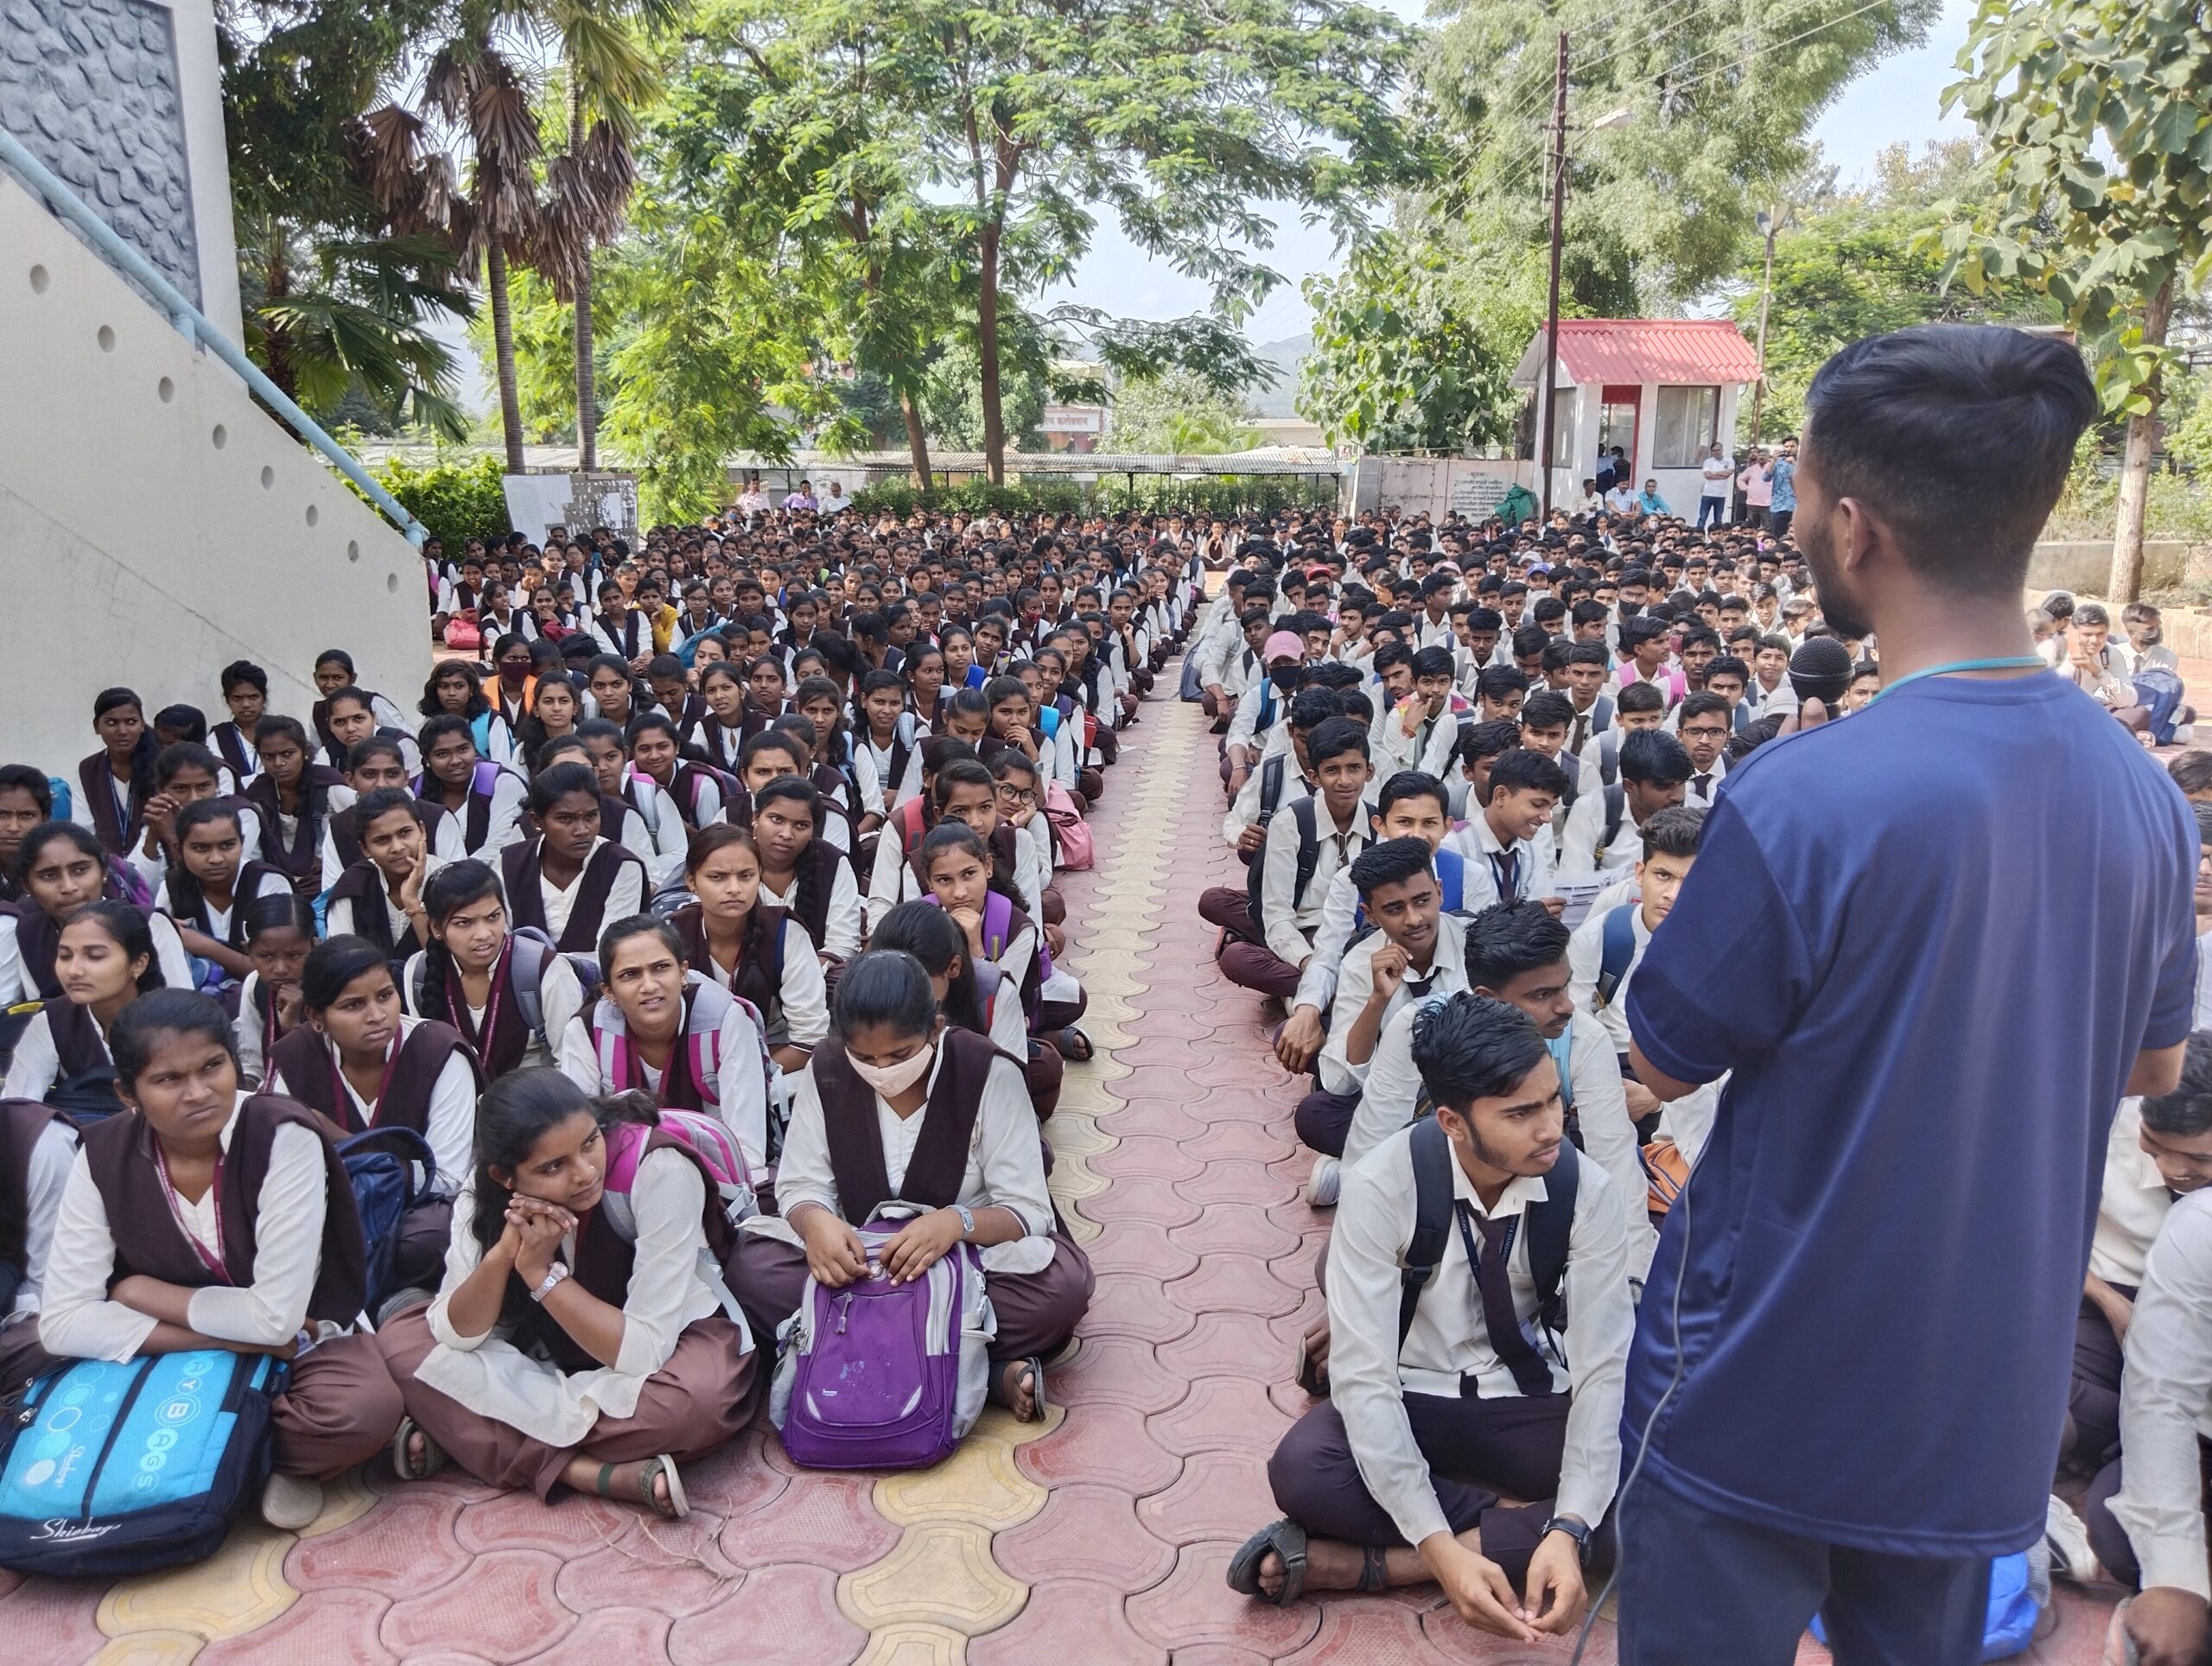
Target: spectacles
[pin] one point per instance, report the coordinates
(1019, 795)
(1705, 734)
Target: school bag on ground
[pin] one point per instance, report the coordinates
(884, 1376)
(112, 1469)
(380, 1167)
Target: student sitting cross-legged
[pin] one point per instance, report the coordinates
(1451, 1391)
(582, 1337)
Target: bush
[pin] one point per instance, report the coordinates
(457, 501)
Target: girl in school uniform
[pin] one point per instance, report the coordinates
(333, 670)
(279, 932)
(896, 1104)
(484, 806)
(567, 880)
(291, 796)
(582, 1338)
(114, 784)
(508, 692)
(455, 689)
(510, 996)
(360, 1062)
(752, 947)
(616, 694)
(887, 752)
(204, 891)
(961, 791)
(662, 1030)
(380, 897)
(801, 873)
(36, 1149)
(245, 694)
(496, 613)
(103, 960)
(974, 996)
(555, 709)
(63, 870)
(720, 736)
(656, 756)
(350, 718)
(211, 1218)
(377, 765)
(924, 672)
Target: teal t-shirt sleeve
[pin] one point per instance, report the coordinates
(1727, 972)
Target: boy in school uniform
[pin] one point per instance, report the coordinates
(1703, 724)
(1414, 950)
(1452, 1391)
(1419, 731)
(1605, 830)
(1261, 706)
(1301, 854)
(1508, 845)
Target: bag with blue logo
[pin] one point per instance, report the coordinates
(112, 1469)
(2011, 1625)
(380, 1165)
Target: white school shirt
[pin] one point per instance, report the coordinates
(447, 843)
(740, 1083)
(668, 836)
(153, 866)
(1703, 787)
(841, 923)
(1288, 926)
(219, 920)
(2133, 1203)
(344, 917)
(1586, 826)
(626, 896)
(449, 1127)
(502, 820)
(1245, 811)
(1371, 1372)
(673, 1284)
(1586, 958)
(1006, 1164)
(1477, 844)
(45, 1179)
(804, 1018)
(2203, 981)
(1447, 975)
(560, 998)
(2167, 1403)
(78, 1321)
(36, 1065)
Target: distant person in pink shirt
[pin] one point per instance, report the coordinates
(1757, 480)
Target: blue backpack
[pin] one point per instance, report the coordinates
(113, 1469)
(380, 1164)
(2011, 1626)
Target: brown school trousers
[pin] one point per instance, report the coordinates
(703, 1397)
(1036, 1312)
(338, 1408)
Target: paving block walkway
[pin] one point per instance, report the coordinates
(1096, 1538)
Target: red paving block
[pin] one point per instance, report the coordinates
(670, 1567)
(404, 1547)
(518, 1521)
(1085, 1532)
(1193, 1608)
(1238, 1183)
(1142, 1157)
(786, 1613)
(1108, 1445)
(1247, 1141)
(1117, 1371)
(1356, 1631)
(612, 1634)
(1141, 1247)
(828, 1521)
(1239, 1231)
(52, 1620)
(1069, 1620)
(1133, 1305)
(1139, 1199)
(1219, 1495)
(1228, 1344)
(327, 1625)
(738, 1479)
(1155, 1117)
(1221, 1414)
(1234, 1284)
(503, 1605)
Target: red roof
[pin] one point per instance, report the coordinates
(1677, 351)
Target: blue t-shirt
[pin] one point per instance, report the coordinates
(1785, 495)
(1928, 940)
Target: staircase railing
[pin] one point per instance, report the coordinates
(195, 327)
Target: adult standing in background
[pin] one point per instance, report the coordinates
(1782, 507)
(1899, 1052)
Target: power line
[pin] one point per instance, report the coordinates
(1534, 102)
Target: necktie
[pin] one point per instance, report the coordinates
(1581, 725)
(1505, 866)
(1494, 1286)
(1703, 784)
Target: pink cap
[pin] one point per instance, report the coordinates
(1283, 644)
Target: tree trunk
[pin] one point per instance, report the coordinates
(503, 342)
(986, 349)
(917, 441)
(586, 371)
(2126, 581)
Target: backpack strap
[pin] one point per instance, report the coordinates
(1616, 811)
(1609, 757)
(1618, 950)
(1272, 774)
(1309, 847)
(1432, 1155)
(1549, 1226)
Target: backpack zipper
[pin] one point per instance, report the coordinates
(114, 1432)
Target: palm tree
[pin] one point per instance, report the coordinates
(483, 99)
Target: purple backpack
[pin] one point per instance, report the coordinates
(884, 1376)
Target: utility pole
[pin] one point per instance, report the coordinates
(1550, 390)
(1771, 222)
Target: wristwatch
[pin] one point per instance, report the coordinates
(554, 1274)
(1576, 1530)
(967, 1220)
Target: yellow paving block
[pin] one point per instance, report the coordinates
(915, 1644)
(939, 1573)
(345, 1500)
(979, 1483)
(238, 1589)
(149, 1649)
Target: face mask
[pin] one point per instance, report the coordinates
(887, 1079)
(1286, 678)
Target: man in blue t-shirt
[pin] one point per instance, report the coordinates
(1929, 975)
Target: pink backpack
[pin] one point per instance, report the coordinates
(707, 1139)
(1070, 833)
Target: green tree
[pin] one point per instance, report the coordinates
(2054, 88)
(1178, 411)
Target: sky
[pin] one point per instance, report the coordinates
(1900, 98)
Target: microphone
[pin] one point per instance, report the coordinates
(1821, 669)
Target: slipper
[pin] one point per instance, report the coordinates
(1037, 1405)
(1287, 1539)
(1310, 1375)
(678, 1506)
(433, 1455)
(1074, 1045)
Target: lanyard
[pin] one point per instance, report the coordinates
(344, 1091)
(2018, 662)
(457, 1006)
(217, 1262)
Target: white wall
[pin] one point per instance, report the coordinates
(200, 95)
(1428, 485)
(133, 548)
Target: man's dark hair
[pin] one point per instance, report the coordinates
(1509, 939)
(1335, 736)
(1390, 654)
(1433, 662)
(2188, 1109)
(1645, 628)
(1546, 709)
(1312, 708)
(1486, 740)
(1472, 1047)
(1587, 653)
(1413, 784)
(1675, 831)
(1693, 705)
(2204, 821)
(1728, 665)
(1960, 436)
(1640, 698)
(2191, 770)
(1391, 862)
(1333, 674)
(1523, 770)
(1495, 681)
(1652, 756)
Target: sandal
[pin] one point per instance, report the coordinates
(1074, 1045)
(678, 1506)
(1035, 1364)
(433, 1455)
(1287, 1539)
(1374, 1572)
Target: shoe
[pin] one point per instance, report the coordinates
(1326, 1180)
(291, 1502)
(2068, 1539)
(399, 1301)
